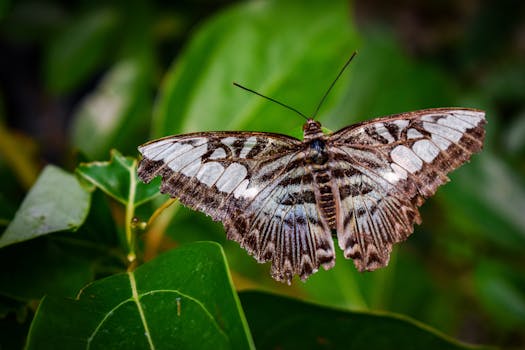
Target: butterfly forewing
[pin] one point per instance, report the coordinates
(281, 198)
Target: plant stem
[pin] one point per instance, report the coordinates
(130, 212)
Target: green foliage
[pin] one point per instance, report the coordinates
(198, 94)
(184, 298)
(38, 215)
(114, 113)
(283, 323)
(76, 53)
(80, 258)
(118, 179)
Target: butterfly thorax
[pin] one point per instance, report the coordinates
(314, 137)
(318, 153)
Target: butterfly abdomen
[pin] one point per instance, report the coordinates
(325, 197)
(321, 178)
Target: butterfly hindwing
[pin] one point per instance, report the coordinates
(385, 168)
(283, 223)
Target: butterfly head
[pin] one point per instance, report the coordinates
(312, 130)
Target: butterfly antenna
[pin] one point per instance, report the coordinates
(271, 99)
(333, 83)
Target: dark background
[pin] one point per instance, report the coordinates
(463, 271)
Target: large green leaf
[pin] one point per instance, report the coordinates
(111, 115)
(501, 291)
(383, 80)
(487, 198)
(118, 179)
(282, 323)
(78, 51)
(56, 202)
(289, 50)
(181, 299)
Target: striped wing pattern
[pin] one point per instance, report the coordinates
(388, 167)
(239, 178)
(282, 198)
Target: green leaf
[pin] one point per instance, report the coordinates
(515, 135)
(283, 323)
(111, 116)
(62, 263)
(379, 86)
(288, 50)
(118, 179)
(182, 298)
(339, 286)
(56, 202)
(79, 50)
(501, 291)
(487, 198)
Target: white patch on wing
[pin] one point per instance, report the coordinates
(248, 145)
(472, 117)
(179, 159)
(443, 131)
(165, 152)
(394, 174)
(191, 169)
(231, 178)
(381, 130)
(241, 190)
(218, 153)
(407, 159)
(228, 141)
(413, 134)
(209, 173)
(154, 151)
(455, 123)
(425, 150)
(441, 142)
(250, 192)
(402, 173)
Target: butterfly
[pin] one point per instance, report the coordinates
(282, 198)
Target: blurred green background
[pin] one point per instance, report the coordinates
(80, 78)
